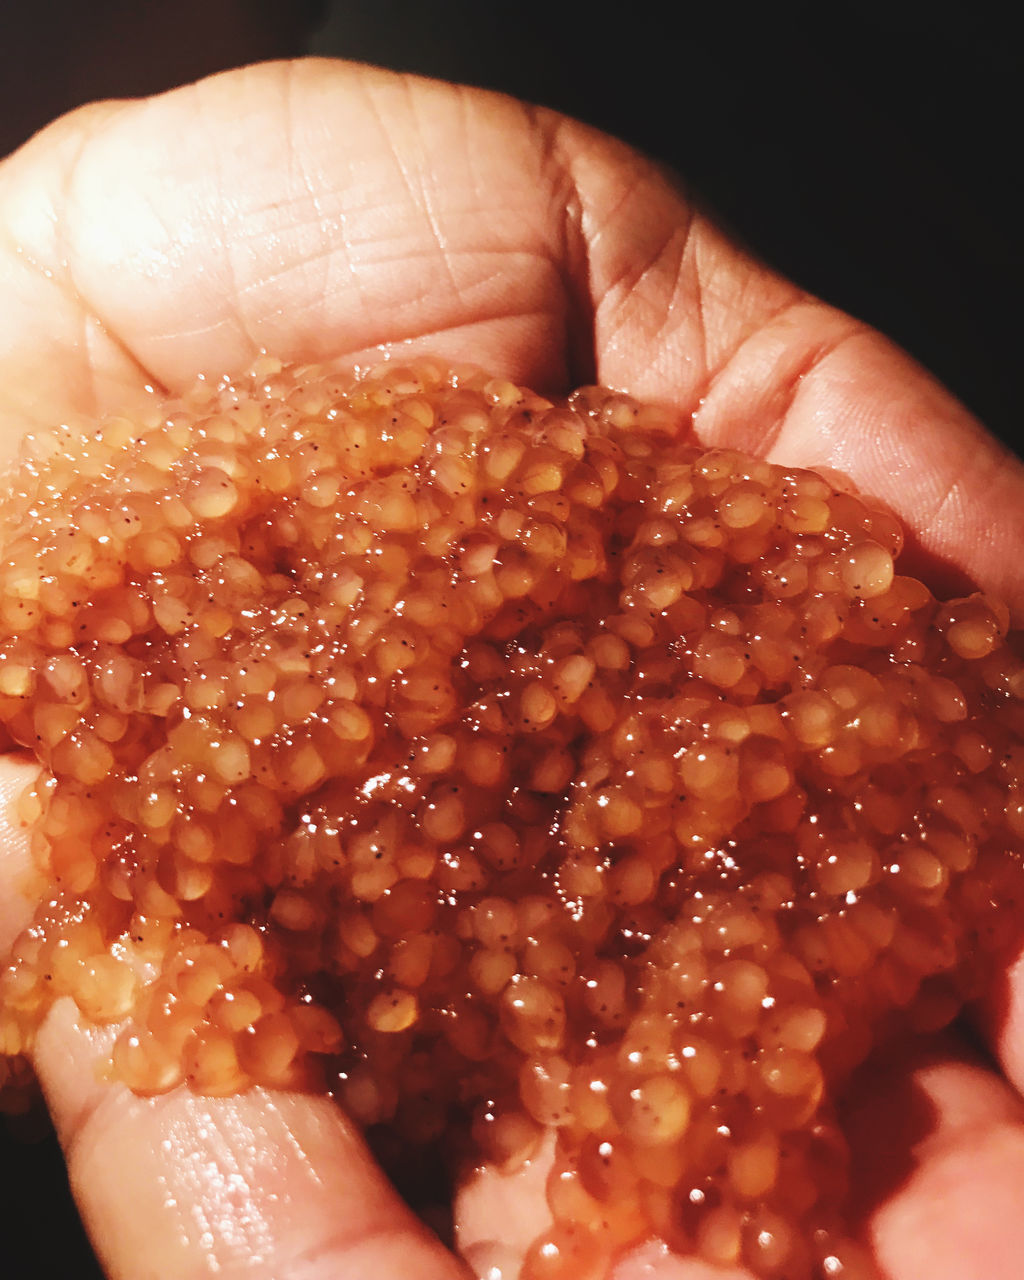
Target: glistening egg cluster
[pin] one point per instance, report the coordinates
(506, 767)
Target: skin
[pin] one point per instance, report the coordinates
(319, 210)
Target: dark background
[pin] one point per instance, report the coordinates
(870, 152)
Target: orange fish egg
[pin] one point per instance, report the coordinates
(502, 766)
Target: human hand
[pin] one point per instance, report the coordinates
(318, 210)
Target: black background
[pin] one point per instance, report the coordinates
(870, 152)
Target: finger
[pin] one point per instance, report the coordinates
(271, 1184)
(500, 1213)
(938, 1160)
(999, 1014)
(813, 389)
(268, 1184)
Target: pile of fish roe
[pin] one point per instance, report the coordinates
(504, 767)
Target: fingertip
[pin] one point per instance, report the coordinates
(937, 1143)
(265, 1185)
